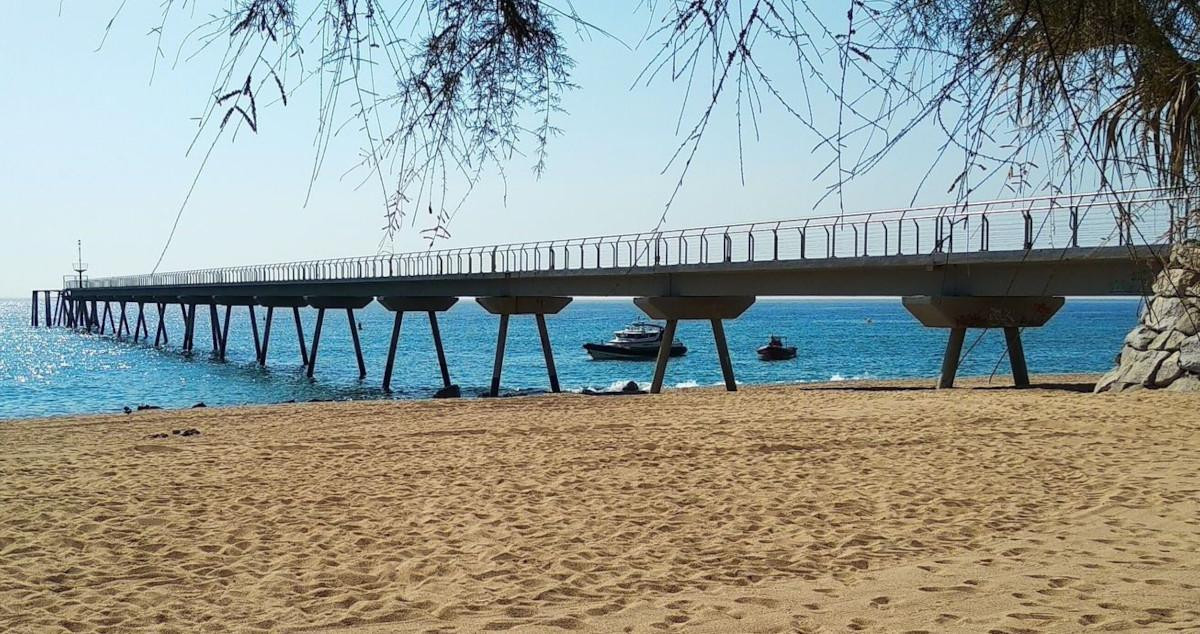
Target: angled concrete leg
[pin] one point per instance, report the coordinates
(664, 355)
(266, 338)
(549, 354)
(103, 317)
(312, 355)
(254, 330)
(300, 333)
(1016, 356)
(139, 326)
(499, 363)
(718, 329)
(214, 324)
(161, 330)
(391, 358)
(950, 361)
(190, 335)
(362, 367)
(225, 331)
(441, 352)
(123, 325)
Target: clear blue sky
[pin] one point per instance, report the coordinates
(92, 150)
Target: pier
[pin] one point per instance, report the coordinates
(1003, 264)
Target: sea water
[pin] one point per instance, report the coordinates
(49, 372)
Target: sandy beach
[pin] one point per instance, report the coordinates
(774, 509)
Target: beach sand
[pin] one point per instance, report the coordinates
(880, 508)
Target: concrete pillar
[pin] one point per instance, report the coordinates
(664, 354)
(429, 305)
(123, 325)
(362, 367)
(266, 338)
(958, 313)
(498, 364)
(952, 356)
(712, 309)
(160, 333)
(1016, 356)
(523, 305)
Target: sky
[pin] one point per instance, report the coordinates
(93, 150)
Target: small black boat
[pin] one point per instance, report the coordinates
(776, 350)
(637, 341)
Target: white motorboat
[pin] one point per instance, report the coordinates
(637, 341)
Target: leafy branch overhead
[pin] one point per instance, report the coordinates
(442, 90)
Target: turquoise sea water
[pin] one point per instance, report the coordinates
(48, 372)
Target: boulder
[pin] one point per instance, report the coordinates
(1167, 371)
(1167, 340)
(1189, 354)
(1140, 338)
(1187, 324)
(1185, 383)
(1177, 282)
(452, 391)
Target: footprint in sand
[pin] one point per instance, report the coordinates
(762, 601)
(880, 602)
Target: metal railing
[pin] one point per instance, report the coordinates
(1131, 217)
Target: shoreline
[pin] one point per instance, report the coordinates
(1040, 381)
(865, 507)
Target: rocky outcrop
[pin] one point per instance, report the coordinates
(1163, 351)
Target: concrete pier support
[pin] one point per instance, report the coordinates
(187, 304)
(229, 302)
(713, 309)
(123, 324)
(523, 305)
(429, 305)
(271, 303)
(960, 313)
(160, 332)
(139, 322)
(349, 304)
